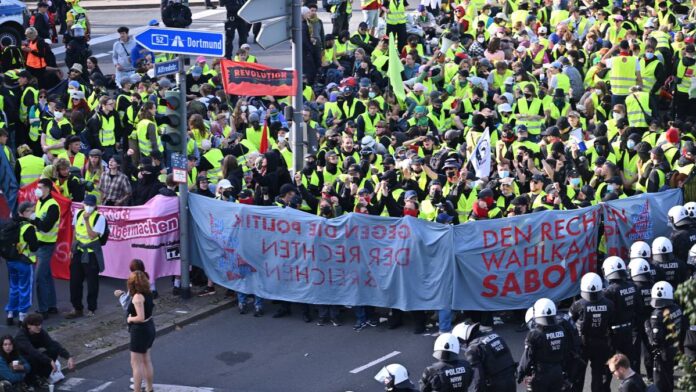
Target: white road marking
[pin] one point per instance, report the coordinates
(70, 383)
(100, 55)
(101, 387)
(376, 361)
(206, 13)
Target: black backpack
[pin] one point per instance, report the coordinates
(9, 238)
(104, 238)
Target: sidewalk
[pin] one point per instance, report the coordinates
(91, 338)
(130, 4)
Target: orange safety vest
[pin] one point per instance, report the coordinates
(34, 61)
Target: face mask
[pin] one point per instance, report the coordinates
(436, 194)
(598, 91)
(528, 95)
(410, 212)
(281, 139)
(89, 209)
(42, 102)
(32, 216)
(630, 144)
(243, 108)
(38, 193)
(616, 116)
(649, 55)
(371, 94)
(480, 40)
(575, 181)
(504, 173)
(226, 193)
(611, 188)
(326, 210)
(58, 115)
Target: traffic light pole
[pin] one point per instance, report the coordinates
(297, 120)
(184, 237)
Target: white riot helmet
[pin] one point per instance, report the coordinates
(464, 331)
(691, 260)
(678, 216)
(529, 317)
(393, 375)
(661, 249)
(640, 270)
(661, 295)
(614, 268)
(591, 286)
(690, 208)
(446, 347)
(544, 312)
(640, 249)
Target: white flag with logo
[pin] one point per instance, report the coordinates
(481, 159)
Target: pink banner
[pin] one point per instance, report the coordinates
(149, 232)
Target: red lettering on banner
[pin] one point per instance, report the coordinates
(531, 281)
(570, 225)
(318, 282)
(547, 276)
(546, 231)
(495, 259)
(510, 285)
(489, 285)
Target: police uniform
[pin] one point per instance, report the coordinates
(546, 349)
(452, 375)
(593, 319)
(666, 330)
(492, 363)
(670, 269)
(627, 305)
(640, 339)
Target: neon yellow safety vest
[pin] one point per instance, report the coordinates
(144, 144)
(526, 110)
(563, 82)
(81, 234)
(34, 126)
(23, 246)
(647, 73)
(41, 210)
(370, 124)
(623, 74)
(78, 160)
(684, 75)
(637, 104)
(107, 134)
(214, 157)
(23, 109)
(30, 169)
(397, 13)
(79, 16)
(50, 141)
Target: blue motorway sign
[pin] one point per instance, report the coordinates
(166, 68)
(183, 41)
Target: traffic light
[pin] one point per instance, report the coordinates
(175, 114)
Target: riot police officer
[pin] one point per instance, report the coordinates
(394, 377)
(642, 278)
(234, 24)
(668, 267)
(691, 262)
(489, 356)
(449, 373)
(546, 349)
(640, 250)
(684, 235)
(593, 314)
(666, 329)
(627, 304)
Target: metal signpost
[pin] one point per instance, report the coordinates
(282, 20)
(186, 43)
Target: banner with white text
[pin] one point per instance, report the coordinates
(286, 254)
(509, 263)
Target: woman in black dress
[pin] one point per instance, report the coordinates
(141, 328)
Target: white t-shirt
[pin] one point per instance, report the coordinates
(609, 61)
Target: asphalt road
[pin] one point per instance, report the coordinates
(230, 352)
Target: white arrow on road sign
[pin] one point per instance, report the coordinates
(258, 10)
(274, 32)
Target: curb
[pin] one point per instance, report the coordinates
(118, 5)
(164, 329)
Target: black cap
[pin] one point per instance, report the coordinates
(689, 48)
(487, 192)
(520, 200)
(285, 188)
(538, 177)
(615, 180)
(552, 131)
(562, 123)
(643, 147)
(588, 191)
(658, 151)
(622, 122)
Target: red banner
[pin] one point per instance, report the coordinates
(60, 262)
(241, 78)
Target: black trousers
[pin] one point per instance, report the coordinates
(640, 349)
(79, 273)
(550, 380)
(42, 369)
(235, 24)
(596, 354)
(622, 342)
(400, 31)
(340, 23)
(663, 370)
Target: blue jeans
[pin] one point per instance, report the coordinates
(362, 313)
(258, 301)
(21, 275)
(45, 288)
(328, 312)
(445, 320)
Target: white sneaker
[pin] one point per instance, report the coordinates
(498, 321)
